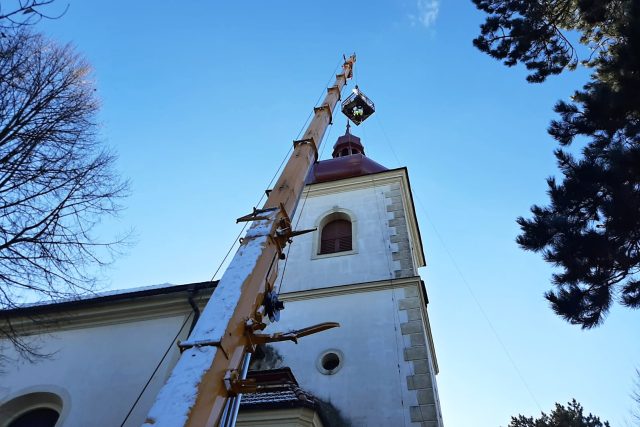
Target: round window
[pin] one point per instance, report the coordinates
(330, 361)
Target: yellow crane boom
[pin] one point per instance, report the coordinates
(210, 369)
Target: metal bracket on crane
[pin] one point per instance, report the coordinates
(256, 339)
(233, 380)
(284, 234)
(236, 385)
(325, 107)
(300, 232)
(336, 89)
(309, 141)
(185, 345)
(256, 215)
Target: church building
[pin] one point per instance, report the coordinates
(109, 355)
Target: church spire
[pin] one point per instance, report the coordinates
(347, 145)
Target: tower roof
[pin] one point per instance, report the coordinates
(348, 142)
(348, 161)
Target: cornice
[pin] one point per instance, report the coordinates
(108, 313)
(176, 304)
(349, 289)
(355, 183)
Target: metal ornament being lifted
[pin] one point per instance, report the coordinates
(357, 107)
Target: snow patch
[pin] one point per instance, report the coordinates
(92, 295)
(178, 395)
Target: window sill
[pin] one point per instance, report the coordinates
(334, 254)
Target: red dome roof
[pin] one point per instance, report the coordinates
(343, 167)
(348, 161)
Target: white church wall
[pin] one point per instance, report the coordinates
(368, 388)
(385, 328)
(371, 258)
(97, 371)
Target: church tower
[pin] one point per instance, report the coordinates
(360, 268)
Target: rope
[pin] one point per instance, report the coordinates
(396, 316)
(318, 100)
(384, 240)
(466, 284)
(156, 369)
(304, 202)
(236, 240)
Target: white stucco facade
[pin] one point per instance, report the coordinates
(370, 388)
(99, 359)
(365, 200)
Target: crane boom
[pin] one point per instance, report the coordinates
(208, 371)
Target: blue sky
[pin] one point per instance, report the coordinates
(201, 101)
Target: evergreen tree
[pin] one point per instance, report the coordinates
(571, 416)
(591, 228)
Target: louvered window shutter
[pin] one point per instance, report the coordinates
(336, 237)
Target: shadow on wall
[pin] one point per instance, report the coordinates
(330, 415)
(266, 357)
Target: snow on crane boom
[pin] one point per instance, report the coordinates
(211, 368)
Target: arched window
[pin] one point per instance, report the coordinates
(38, 409)
(336, 236)
(37, 417)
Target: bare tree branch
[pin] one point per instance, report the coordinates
(56, 179)
(18, 13)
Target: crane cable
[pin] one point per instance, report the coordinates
(164, 356)
(396, 315)
(464, 280)
(304, 202)
(286, 156)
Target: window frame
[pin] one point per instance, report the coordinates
(335, 370)
(336, 236)
(332, 215)
(25, 400)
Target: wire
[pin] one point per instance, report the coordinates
(466, 284)
(395, 311)
(286, 156)
(384, 133)
(304, 202)
(355, 73)
(318, 100)
(237, 239)
(233, 245)
(156, 369)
